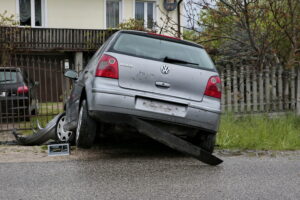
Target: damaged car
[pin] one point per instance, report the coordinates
(168, 82)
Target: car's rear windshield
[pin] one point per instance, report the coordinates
(8, 76)
(163, 50)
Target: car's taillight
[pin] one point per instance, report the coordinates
(108, 67)
(22, 90)
(213, 87)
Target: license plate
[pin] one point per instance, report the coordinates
(59, 149)
(2, 94)
(161, 107)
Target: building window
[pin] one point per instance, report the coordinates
(38, 12)
(145, 11)
(113, 13)
(31, 12)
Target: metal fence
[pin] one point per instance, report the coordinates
(50, 39)
(32, 88)
(246, 89)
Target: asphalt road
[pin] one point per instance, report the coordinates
(154, 173)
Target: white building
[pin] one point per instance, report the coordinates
(88, 14)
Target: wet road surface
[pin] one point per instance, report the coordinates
(151, 171)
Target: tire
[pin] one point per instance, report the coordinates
(86, 128)
(205, 141)
(61, 134)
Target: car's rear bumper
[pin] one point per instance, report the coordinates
(14, 103)
(107, 105)
(14, 106)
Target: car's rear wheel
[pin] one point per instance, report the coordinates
(86, 128)
(205, 141)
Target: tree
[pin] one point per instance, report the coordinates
(6, 46)
(263, 30)
(286, 15)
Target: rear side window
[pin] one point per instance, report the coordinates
(8, 77)
(158, 49)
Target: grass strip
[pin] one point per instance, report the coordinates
(259, 132)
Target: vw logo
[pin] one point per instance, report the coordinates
(165, 69)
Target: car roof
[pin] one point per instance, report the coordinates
(159, 36)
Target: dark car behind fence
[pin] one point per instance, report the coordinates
(37, 95)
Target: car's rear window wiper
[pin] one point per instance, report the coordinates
(172, 60)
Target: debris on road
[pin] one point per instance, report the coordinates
(59, 149)
(41, 136)
(173, 142)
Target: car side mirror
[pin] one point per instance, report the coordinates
(71, 74)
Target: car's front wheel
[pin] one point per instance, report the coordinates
(62, 134)
(86, 128)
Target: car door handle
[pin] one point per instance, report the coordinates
(162, 84)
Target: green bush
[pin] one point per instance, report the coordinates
(132, 24)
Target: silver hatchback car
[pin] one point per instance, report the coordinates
(168, 82)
